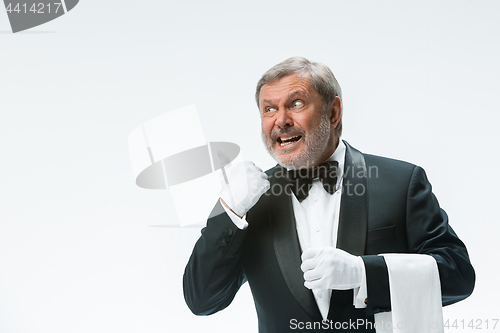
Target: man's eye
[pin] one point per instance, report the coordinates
(297, 104)
(270, 109)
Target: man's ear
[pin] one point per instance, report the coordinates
(335, 111)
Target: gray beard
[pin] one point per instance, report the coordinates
(315, 145)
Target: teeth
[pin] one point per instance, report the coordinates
(287, 141)
(290, 138)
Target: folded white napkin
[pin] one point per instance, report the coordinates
(415, 296)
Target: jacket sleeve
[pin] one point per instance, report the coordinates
(428, 232)
(213, 274)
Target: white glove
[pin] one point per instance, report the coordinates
(331, 268)
(245, 185)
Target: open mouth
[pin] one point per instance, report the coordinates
(288, 141)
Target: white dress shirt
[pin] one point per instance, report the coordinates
(317, 220)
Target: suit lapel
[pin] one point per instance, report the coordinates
(353, 217)
(286, 243)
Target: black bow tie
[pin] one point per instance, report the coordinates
(301, 179)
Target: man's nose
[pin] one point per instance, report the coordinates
(283, 119)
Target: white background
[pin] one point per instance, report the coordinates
(80, 246)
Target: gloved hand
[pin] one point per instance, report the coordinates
(245, 185)
(331, 268)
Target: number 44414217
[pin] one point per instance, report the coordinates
(36, 8)
(477, 324)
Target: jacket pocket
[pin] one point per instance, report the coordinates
(377, 234)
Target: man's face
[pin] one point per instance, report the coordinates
(296, 130)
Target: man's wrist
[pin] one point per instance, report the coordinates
(224, 203)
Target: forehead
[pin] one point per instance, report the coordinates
(284, 86)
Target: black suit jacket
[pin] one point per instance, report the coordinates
(387, 206)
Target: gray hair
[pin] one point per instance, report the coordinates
(322, 80)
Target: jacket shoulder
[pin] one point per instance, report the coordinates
(375, 161)
(388, 171)
(387, 162)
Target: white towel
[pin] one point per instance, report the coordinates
(415, 296)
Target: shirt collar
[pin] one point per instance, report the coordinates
(339, 156)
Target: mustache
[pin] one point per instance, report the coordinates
(278, 131)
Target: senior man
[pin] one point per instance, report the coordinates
(306, 234)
